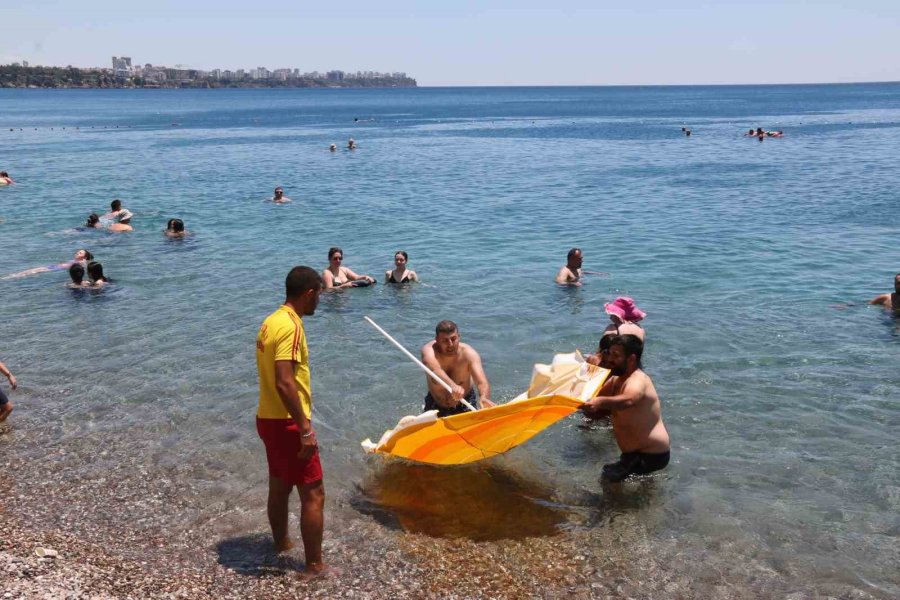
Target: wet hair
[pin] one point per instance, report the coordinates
(279, 189)
(573, 252)
(4, 174)
(334, 250)
(302, 279)
(445, 326)
(606, 342)
(631, 344)
(115, 204)
(93, 219)
(87, 253)
(76, 272)
(403, 253)
(95, 270)
(176, 225)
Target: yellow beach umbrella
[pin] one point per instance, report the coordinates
(556, 391)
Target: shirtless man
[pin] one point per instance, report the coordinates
(635, 412)
(459, 365)
(889, 301)
(571, 273)
(279, 197)
(123, 222)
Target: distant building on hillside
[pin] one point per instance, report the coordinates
(121, 66)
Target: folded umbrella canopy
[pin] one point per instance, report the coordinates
(556, 391)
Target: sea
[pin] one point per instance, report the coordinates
(754, 261)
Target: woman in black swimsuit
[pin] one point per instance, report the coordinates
(400, 274)
(337, 276)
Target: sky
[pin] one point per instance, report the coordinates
(470, 43)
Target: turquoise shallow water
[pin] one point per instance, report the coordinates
(753, 260)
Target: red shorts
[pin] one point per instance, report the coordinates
(282, 440)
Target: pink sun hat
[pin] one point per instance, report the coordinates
(624, 308)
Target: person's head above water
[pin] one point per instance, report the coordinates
(574, 258)
(93, 220)
(76, 272)
(4, 174)
(333, 147)
(897, 283)
(115, 205)
(401, 258)
(83, 254)
(279, 191)
(446, 337)
(175, 225)
(624, 354)
(302, 287)
(95, 271)
(335, 254)
(124, 217)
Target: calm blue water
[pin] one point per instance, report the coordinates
(753, 260)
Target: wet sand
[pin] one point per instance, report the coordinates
(146, 529)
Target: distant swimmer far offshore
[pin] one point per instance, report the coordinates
(5, 179)
(278, 196)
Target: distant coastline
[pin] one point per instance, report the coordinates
(21, 76)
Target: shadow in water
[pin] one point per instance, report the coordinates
(254, 556)
(482, 503)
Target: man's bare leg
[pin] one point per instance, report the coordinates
(279, 496)
(5, 409)
(312, 524)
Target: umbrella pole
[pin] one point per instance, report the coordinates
(417, 361)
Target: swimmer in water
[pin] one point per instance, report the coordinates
(95, 272)
(400, 274)
(93, 221)
(624, 317)
(571, 273)
(76, 273)
(889, 301)
(337, 276)
(351, 145)
(5, 179)
(279, 197)
(81, 256)
(115, 207)
(333, 148)
(124, 222)
(175, 228)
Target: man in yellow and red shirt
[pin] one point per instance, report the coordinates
(284, 417)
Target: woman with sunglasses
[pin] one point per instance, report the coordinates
(337, 276)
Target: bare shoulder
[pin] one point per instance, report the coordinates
(469, 352)
(428, 348)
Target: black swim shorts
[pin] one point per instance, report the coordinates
(3, 398)
(635, 463)
(430, 404)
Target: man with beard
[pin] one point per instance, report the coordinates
(630, 399)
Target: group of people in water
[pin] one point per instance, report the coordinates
(761, 134)
(337, 276)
